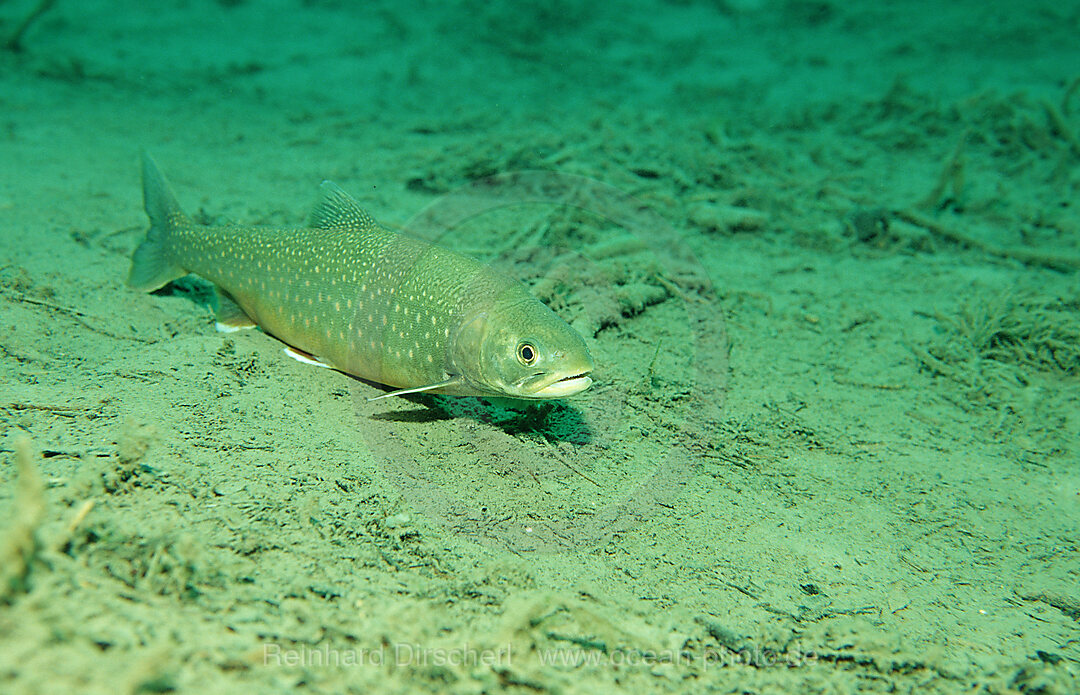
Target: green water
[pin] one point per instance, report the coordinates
(823, 254)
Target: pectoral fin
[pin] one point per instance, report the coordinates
(452, 381)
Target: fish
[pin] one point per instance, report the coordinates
(344, 292)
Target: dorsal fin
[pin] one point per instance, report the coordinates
(338, 210)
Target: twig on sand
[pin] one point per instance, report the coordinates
(1060, 127)
(74, 314)
(1053, 261)
(1069, 605)
(14, 42)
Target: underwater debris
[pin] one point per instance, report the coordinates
(14, 43)
(949, 189)
(874, 228)
(167, 565)
(718, 217)
(133, 442)
(21, 544)
(1053, 261)
(1017, 354)
(871, 226)
(1060, 127)
(1007, 337)
(1069, 605)
(1023, 331)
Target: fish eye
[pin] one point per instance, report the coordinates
(526, 354)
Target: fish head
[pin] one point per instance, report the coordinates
(519, 348)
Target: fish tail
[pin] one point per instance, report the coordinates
(153, 265)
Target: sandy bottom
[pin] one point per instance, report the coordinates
(825, 257)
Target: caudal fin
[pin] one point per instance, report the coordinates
(152, 265)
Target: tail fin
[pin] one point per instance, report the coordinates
(152, 266)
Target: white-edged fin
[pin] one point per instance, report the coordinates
(338, 210)
(230, 317)
(226, 328)
(430, 387)
(301, 356)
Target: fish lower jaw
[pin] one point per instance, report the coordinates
(564, 387)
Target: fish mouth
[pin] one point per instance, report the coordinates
(554, 386)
